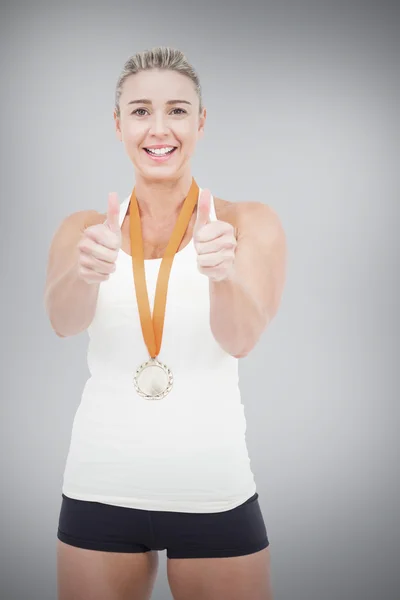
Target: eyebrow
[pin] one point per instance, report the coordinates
(147, 101)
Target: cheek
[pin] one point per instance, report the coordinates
(187, 134)
(133, 134)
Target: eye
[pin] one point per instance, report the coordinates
(138, 110)
(182, 111)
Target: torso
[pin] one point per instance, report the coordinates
(118, 438)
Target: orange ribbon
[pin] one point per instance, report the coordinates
(152, 326)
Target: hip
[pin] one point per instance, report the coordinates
(99, 526)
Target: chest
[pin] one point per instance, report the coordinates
(155, 238)
(187, 312)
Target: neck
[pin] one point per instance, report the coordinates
(160, 200)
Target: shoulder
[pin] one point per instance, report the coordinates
(80, 220)
(85, 218)
(250, 218)
(72, 227)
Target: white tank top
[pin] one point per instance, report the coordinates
(186, 452)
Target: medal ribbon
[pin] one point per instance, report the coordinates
(152, 326)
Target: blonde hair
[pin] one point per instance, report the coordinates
(157, 58)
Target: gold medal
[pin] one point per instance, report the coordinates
(153, 380)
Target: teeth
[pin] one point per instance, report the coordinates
(160, 151)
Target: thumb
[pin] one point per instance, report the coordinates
(112, 220)
(203, 208)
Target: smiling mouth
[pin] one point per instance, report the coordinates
(160, 151)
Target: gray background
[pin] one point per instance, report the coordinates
(302, 105)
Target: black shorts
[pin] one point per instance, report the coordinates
(98, 526)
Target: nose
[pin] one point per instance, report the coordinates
(159, 125)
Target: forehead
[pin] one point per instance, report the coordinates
(158, 85)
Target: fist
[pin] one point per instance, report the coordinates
(214, 241)
(99, 246)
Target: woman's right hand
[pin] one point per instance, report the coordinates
(99, 246)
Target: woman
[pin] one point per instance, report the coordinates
(158, 457)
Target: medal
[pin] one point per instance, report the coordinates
(153, 379)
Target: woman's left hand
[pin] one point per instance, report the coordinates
(215, 242)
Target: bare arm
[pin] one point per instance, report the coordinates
(69, 300)
(243, 304)
(82, 255)
(246, 271)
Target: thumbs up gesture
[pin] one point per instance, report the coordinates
(99, 246)
(214, 241)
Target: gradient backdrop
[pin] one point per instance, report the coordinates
(302, 105)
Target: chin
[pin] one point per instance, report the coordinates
(160, 172)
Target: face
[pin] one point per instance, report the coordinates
(159, 122)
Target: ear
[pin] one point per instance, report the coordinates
(202, 122)
(117, 122)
